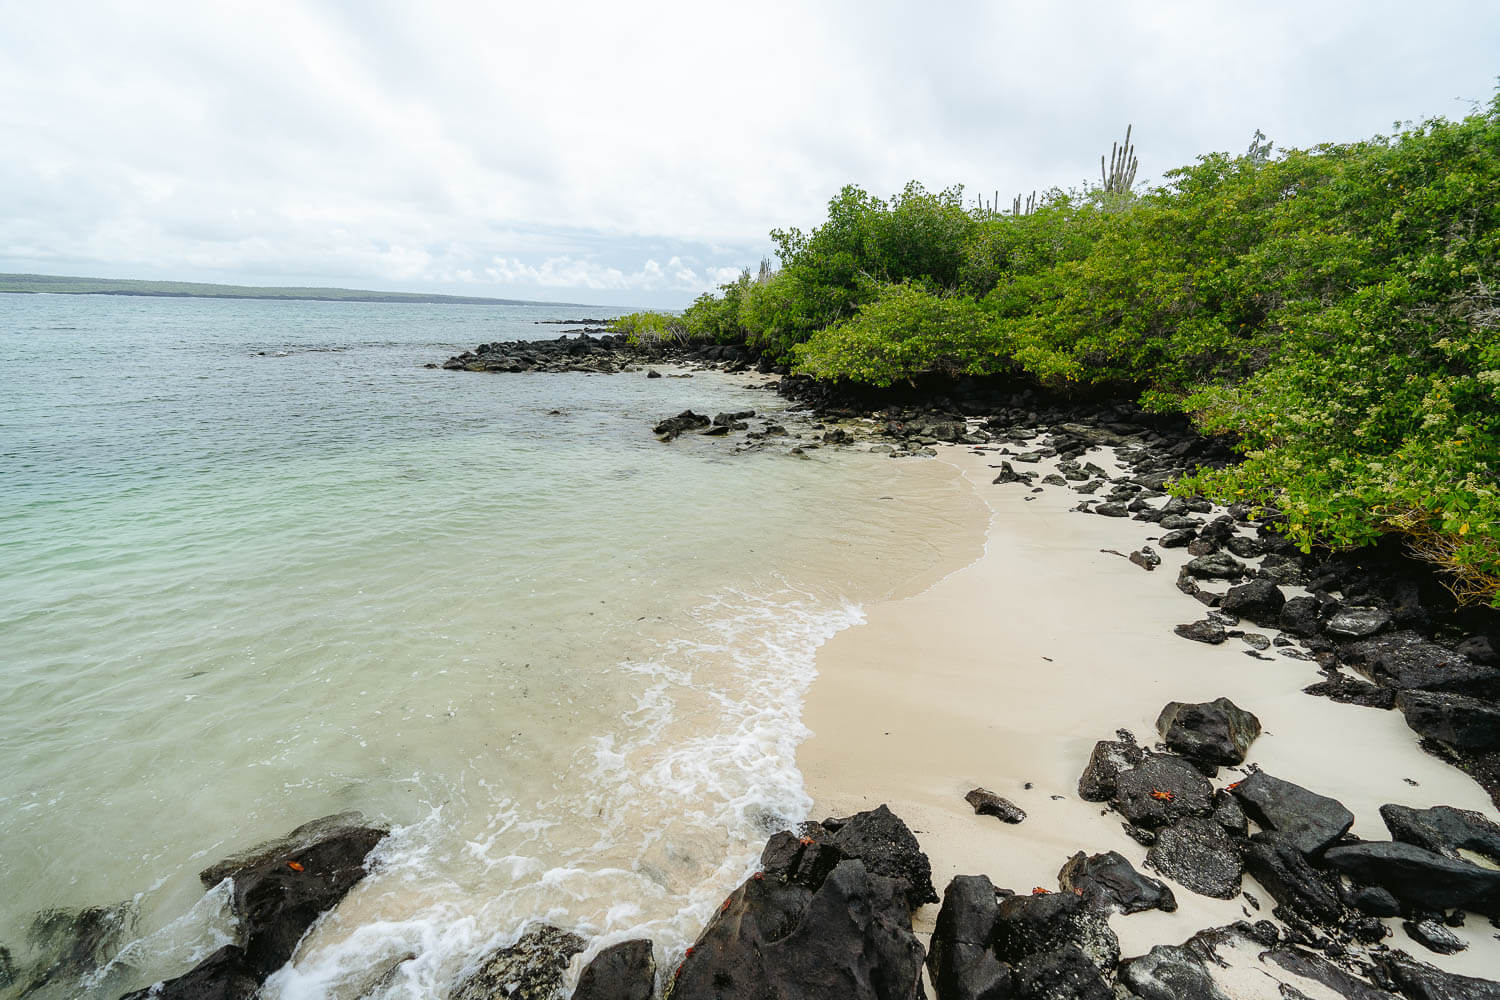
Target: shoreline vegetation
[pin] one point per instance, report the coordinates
(1333, 313)
(55, 284)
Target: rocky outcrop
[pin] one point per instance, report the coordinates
(625, 971)
(887, 847)
(530, 969)
(279, 889)
(282, 887)
(847, 936)
(1211, 733)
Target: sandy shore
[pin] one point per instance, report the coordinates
(1008, 670)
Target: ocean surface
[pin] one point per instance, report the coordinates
(258, 565)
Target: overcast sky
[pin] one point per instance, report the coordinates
(635, 153)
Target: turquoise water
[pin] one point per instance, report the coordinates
(258, 565)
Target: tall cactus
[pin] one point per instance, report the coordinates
(1122, 164)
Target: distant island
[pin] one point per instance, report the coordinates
(56, 284)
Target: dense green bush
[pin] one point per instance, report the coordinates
(1336, 310)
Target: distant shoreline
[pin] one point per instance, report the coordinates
(47, 284)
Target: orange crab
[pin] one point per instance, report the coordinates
(805, 841)
(1161, 796)
(1039, 891)
(294, 866)
(1234, 784)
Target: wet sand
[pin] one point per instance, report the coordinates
(1007, 671)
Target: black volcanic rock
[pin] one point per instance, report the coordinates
(1100, 775)
(1197, 853)
(1215, 732)
(1312, 821)
(530, 969)
(1420, 981)
(1455, 720)
(1260, 601)
(625, 971)
(1419, 877)
(1108, 881)
(1409, 661)
(1444, 830)
(886, 846)
(987, 803)
(1160, 790)
(848, 937)
(282, 887)
(960, 960)
(224, 975)
(1282, 869)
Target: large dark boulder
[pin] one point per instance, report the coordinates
(849, 937)
(1259, 600)
(530, 969)
(1444, 830)
(1419, 877)
(1420, 981)
(1161, 789)
(1208, 632)
(960, 960)
(1282, 869)
(1410, 661)
(1455, 720)
(282, 887)
(1109, 882)
(1046, 921)
(1214, 732)
(1197, 853)
(1312, 821)
(224, 975)
(624, 971)
(887, 847)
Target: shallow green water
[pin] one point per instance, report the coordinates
(239, 590)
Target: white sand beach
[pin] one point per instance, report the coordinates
(1007, 671)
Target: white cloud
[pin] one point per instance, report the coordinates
(385, 143)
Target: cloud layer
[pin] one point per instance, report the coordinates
(629, 153)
